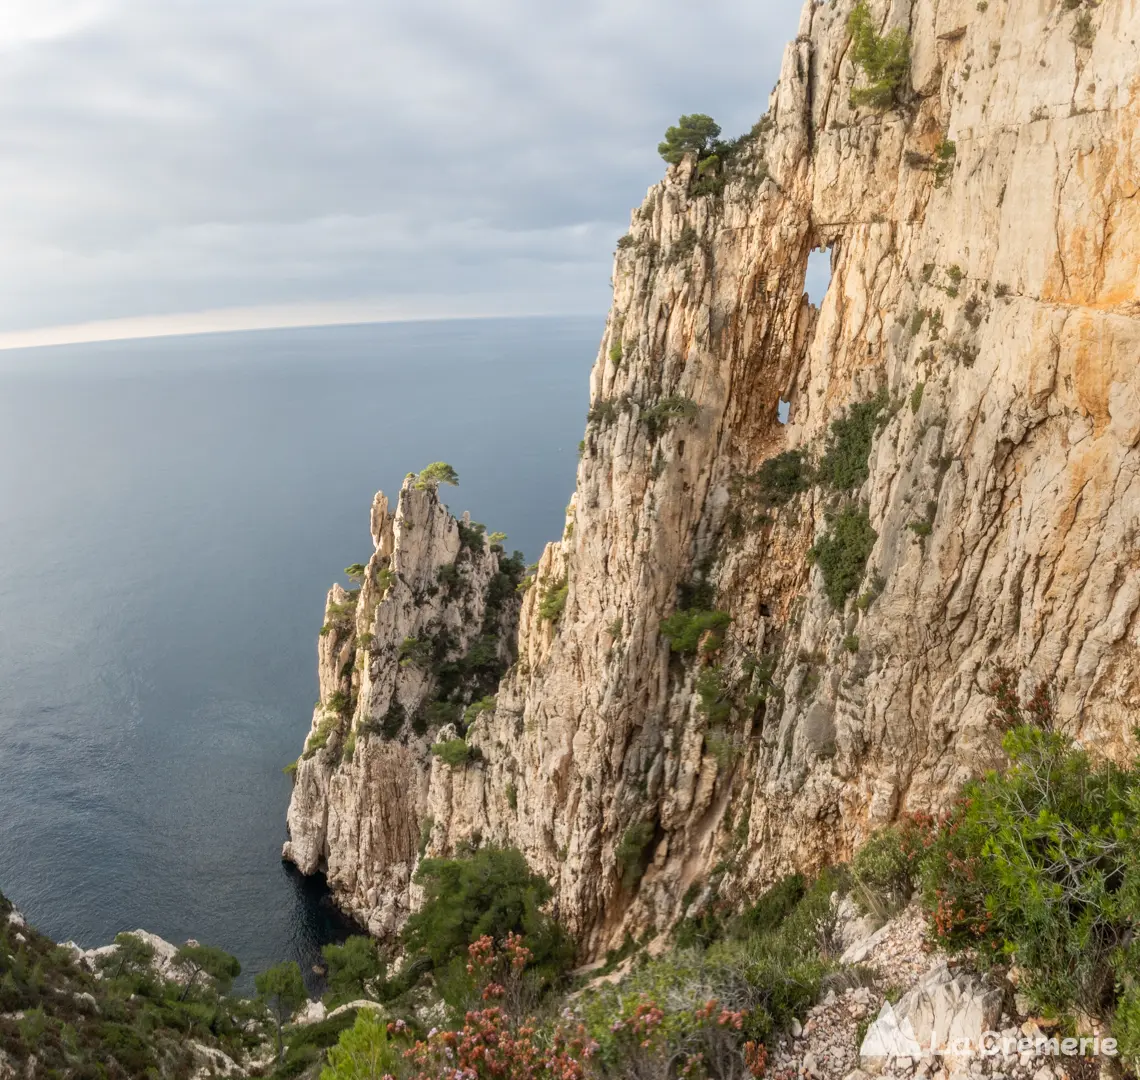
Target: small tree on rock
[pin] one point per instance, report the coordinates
(694, 134)
(438, 472)
(282, 990)
(198, 960)
(132, 956)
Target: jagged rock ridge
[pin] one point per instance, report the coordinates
(421, 643)
(980, 332)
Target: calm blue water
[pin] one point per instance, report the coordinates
(172, 513)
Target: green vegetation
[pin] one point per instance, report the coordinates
(713, 702)
(769, 963)
(491, 892)
(282, 990)
(916, 397)
(206, 962)
(883, 59)
(694, 134)
(553, 601)
(438, 472)
(340, 618)
(783, 477)
(615, 353)
(689, 629)
(1042, 862)
(944, 155)
(845, 461)
(851, 643)
(885, 870)
(356, 572)
(663, 413)
(319, 738)
(842, 553)
(363, 1051)
(126, 1022)
(353, 967)
(453, 752)
(477, 709)
(633, 853)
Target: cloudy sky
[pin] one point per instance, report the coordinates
(274, 162)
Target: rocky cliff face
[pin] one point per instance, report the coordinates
(402, 659)
(843, 591)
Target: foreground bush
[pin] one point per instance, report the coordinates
(491, 893)
(708, 1006)
(1041, 863)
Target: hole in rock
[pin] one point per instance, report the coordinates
(784, 411)
(818, 276)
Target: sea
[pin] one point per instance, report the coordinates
(172, 514)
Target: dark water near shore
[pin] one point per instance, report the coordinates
(172, 513)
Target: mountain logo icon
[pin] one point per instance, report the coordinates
(890, 1037)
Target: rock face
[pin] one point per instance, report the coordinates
(980, 504)
(428, 633)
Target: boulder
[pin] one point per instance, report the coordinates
(943, 1014)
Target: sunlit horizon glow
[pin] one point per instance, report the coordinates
(267, 317)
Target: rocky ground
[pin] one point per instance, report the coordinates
(891, 979)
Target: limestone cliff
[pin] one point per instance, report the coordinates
(402, 660)
(843, 590)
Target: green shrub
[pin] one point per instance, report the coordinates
(713, 702)
(363, 1051)
(885, 870)
(1041, 863)
(916, 397)
(659, 416)
(471, 536)
(683, 247)
(282, 990)
(438, 472)
(512, 794)
(633, 852)
(491, 892)
(477, 709)
(844, 464)
(553, 601)
(453, 752)
(783, 477)
(944, 155)
(883, 59)
(689, 629)
(319, 738)
(773, 907)
(770, 972)
(851, 643)
(414, 651)
(842, 553)
(290, 770)
(352, 967)
(615, 353)
(693, 134)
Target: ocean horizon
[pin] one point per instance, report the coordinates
(174, 511)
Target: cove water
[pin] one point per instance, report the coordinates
(172, 513)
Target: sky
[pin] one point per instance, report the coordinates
(174, 166)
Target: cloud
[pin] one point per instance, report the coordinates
(194, 155)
